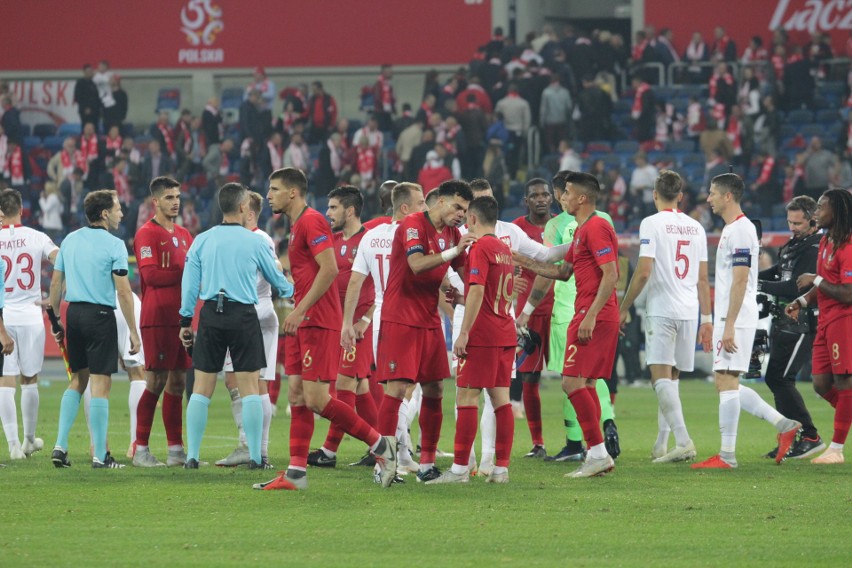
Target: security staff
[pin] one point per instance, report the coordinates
(92, 265)
(791, 340)
(221, 267)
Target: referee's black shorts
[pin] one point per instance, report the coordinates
(92, 338)
(236, 328)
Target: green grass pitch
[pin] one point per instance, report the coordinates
(642, 514)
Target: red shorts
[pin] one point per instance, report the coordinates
(358, 363)
(486, 367)
(832, 351)
(313, 353)
(411, 353)
(592, 360)
(537, 360)
(163, 349)
(282, 350)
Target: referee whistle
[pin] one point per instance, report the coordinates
(220, 301)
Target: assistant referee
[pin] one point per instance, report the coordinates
(221, 268)
(92, 265)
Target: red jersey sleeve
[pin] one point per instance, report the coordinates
(477, 265)
(601, 243)
(845, 260)
(413, 235)
(145, 247)
(318, 235)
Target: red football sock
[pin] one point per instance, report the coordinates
(465, 434)
(532, 407)
(145, 417)
(842, 416)
(431, 416)
(505, 435)
(583, 402)
(389, 415)
(301, 430)
(344, 416)
(593, 393)
(335, 433)
(365, 406)
(378, 392)
(831, 397)
(275, 389)
(173, 418)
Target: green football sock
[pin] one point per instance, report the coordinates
(573, 432)
(606, 405)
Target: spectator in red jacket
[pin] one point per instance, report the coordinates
(434, 172)
(384, 100)
(322, 114)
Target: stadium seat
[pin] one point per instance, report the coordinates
(615, 160)
(598, 146)
(681, 146)
(53, 143)
(779, 224)
(834, 129)
(779, 210)
(168, 99)
(626, 147)
(810, 130)
(835, 88)
(800, 116)
(69, 129)
(828, 116)
(694, 159)
(26, 130)
(232, 98)
(787, 131)
(31, 142)
(44, 130)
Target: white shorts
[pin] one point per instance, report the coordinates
(28, 356)
(670, 342)
(458, 317)
(734, 362)
(377, 320)
(130, 361)
(269, 328)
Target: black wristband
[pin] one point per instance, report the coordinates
(185, 322)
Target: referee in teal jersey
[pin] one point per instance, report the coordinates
(92, 265)
(221, 268)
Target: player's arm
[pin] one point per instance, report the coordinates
(473, 303)
(738, 288)
(548, 270)
(348, 335)
(540, 288)
(640, 278)
(419, 262)
(705, 307)
(5, 340)
(156, 272)
(807, 299)
(57, 283)
(362, 324)
(51, 256)
(841, 292)
(189, 289)
(125, 302)
(269, 267)
(324, 279)
(609, 279)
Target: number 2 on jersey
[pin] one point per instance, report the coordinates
(680, 256)
(25, 270)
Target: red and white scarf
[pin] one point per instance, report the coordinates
(366, 161)
(790, 183)
(182, 129)
(695, 51)
(766, 171)
(299, 156)
(15, 166)
(734, 132)
(639, 50)
(778, 65)
(276, 156)
(122, 185)
(79, 161)
(722, 45)
(89, 147)
(167, 136)
(113, 145)
(225, 164)
(714, 83)
(637, 100)
(385, 94)
(336, 157)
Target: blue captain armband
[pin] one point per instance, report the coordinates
(742, 257)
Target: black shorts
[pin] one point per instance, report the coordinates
(91, 337)
(236, 329)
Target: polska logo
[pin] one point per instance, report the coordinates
(201, 22)
(442, 244)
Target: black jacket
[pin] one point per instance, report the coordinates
(797, 257)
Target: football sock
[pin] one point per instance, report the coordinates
(145, 417)
(842, 417)
(465, 435)
(9, 416)
(68, 409)
(402, 427)
(237, 412)
(729, 418)
(584, 404)
(532, 407)
(389, 415)
(266, 402)
(87, 399)
(377, 391)
(301, 430)
(29, 410)
(137, 388)
(663, 430)
(335, 432)
(573, 432)
(344, 416)
(669, 401)
(414, 404)
(431, 416)
(365, 406)
(99, 416)
(487, 430)
(173, 418)
(505, 421)
(604, 401)
(196, 423)
(253, 425)
(751, 402)
(275, 389)
(593, 396)
(831, 396)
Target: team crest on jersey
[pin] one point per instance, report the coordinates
(183, 241)
(175, 241)
(442, 244)
(343, 250)
(145, 252)
(411, 234)
(392, 366)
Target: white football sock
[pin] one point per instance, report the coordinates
(663, 430)
(9, 416)
(267, 421)
(414, 404)
(29, 410)
(402, 425)
(488, 430)
(87, 399)
(729, 418)
(137, 388)
(672, 410)
(237, 412)
(753, 404)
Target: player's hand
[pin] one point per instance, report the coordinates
(728, 343)
(623, 319)
(587, 327)
(792, 310)
(522, 320)
(520, 260)
(460, 347)
(805, 281)
(466, 241)
(520, 286)
(293, 321)
(348, 336)
(8, 343)
(360, 327)
(705, 337)
(186, 338)
(135, 343)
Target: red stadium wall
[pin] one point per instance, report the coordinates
(748, 18)
(174, 34)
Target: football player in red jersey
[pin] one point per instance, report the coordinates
(832, 290)
(161, 246)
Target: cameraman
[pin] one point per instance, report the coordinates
(792, 340)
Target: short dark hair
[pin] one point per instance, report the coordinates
(668, 184)
(479, 184)
(803, 203)
(730, 183)
(486, 208)
(453, 187)
(97, 202)
(348, 196)
(402, 194)
(559, 180)
(586, 183)
(535, 181)
(291, 177)
(160, 184)
(231, 195)
(11, 202)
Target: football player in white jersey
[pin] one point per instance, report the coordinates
(736, 315)
(673, 265)
(23, 249)
(373, 258)
(269, 328)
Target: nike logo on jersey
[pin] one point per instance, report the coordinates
(163, 243)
